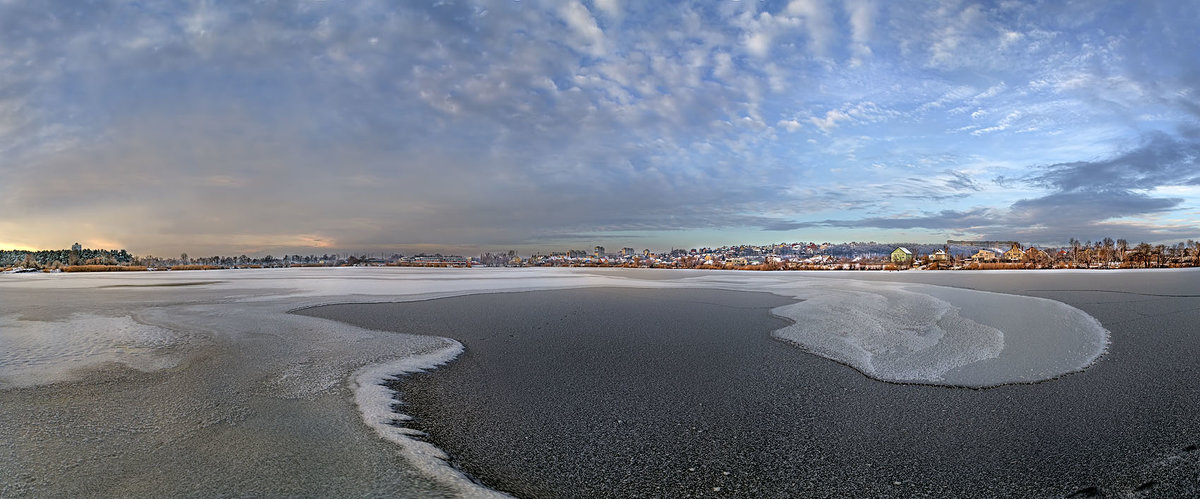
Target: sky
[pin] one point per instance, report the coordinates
(456, 126)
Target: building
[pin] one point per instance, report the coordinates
(1015, 254)
(902, 255)
(599, 253)
(984, 256)
(1037, 256)
(628, 252)
(939, 256)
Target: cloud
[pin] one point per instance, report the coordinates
(961, 182)
(612, 8)
(992, 91)
(860, 112)
(1095, 199)
(581, 22)
(816, 19)
(1004, 124)
(945, 219)
(790, 125)
(830, 121)
(1082, 207)
(862, 27)
(1160, 160)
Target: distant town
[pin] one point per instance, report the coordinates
(953, 255)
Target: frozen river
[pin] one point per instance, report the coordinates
(174, 383)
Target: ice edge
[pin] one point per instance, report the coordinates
(377, 404)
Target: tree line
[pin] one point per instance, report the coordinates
(1142, 255)
(64, 257)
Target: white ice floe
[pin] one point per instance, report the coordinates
(919, 333)
(891, 334)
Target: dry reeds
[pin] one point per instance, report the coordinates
(103, 268)
(998, 266)
(424, 264)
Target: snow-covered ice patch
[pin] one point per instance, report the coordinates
(917, 333)
(43, 352)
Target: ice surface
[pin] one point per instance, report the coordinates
(227, 367)
(44, 352)
(252, 391)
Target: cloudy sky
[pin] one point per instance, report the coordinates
(273, 127)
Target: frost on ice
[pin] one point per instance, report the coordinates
(43, 352)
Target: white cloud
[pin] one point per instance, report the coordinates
(830, 121)
(588, 33)
(758, 34)
(611, 8)
(955, 29)
(758, 44)
(954, 95)
(723, 65)
(992, 91)
(1009, 38)
(862, 27)
(1004, 124)
(811, 20)
(790, 125)
(818, 23)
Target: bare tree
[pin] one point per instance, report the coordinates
(1142, 253)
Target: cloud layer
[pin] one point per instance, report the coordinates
(378, 126)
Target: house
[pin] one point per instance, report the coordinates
(984, 256)
(1036, 255)
(939, 256)
(1015, 254)
(902, 255)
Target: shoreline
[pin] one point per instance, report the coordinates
(841, 267)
